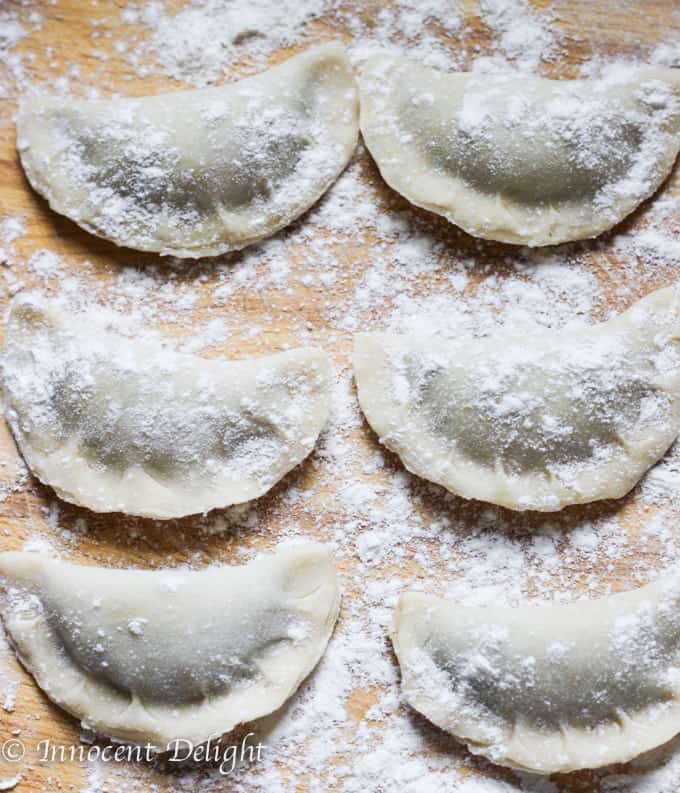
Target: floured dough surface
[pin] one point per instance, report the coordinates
(521, 159)
(129, 425)
(152, 656)
(196, 173)
(548, 689)
(530, 423)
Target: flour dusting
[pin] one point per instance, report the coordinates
(360, 259)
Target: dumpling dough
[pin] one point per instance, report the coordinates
(548, 689)
(530, 422)
(196, 173)
(152, 656)
(123, 425)
(518, 158)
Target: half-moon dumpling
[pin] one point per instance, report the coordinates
(196, 173)
(530, 422)
(121, 425)
(548, 689)
(152, 656)
(519, 158)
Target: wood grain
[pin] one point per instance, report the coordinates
(608, 27)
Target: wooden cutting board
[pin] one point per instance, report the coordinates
(293, 310)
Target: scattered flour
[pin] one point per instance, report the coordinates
(11, 783)
(526, 37)
(312, 284)
(199, 42)
(13, 30)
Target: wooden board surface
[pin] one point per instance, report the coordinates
(295, 309)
